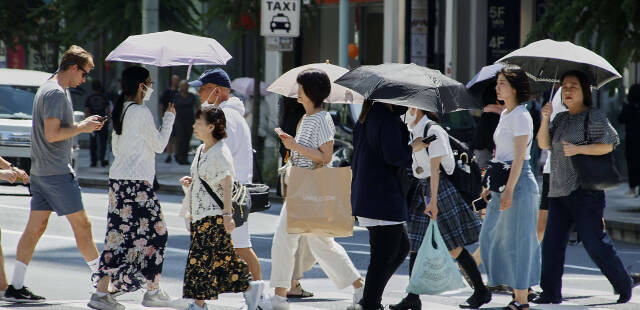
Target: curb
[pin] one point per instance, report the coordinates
(627, 232)
(163, 189)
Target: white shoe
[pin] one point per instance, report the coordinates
(252, 296)
(279, 303)
(355, 307)
(265, 302)
(159, 299)
(105, 302)
(357, 294)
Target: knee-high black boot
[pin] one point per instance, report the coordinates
(481, 294)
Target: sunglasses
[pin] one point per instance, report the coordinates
(84, 73)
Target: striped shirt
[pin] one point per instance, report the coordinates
(570, 128)
(315, 130)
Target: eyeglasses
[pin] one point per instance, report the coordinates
(84, 73)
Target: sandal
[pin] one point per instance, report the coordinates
(514, 305)
(302, 294)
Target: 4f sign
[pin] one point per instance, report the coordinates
(280, 18)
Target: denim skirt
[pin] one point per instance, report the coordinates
(508, 241)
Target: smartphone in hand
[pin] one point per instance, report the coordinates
(480, 204)
(429, 139)
(280, 133)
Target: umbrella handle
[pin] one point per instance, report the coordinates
(552, 85)
(189, 70)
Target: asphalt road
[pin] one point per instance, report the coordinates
(59, 273)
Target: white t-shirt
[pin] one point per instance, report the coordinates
(440, 147)
(512, 124)
(558, 107)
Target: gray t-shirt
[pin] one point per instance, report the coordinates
(50, 158)
(570, 128)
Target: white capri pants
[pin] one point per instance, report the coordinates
(327, 252)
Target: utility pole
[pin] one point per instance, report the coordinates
(150, 19)
(343, 50)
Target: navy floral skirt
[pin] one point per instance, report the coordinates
(136, 237)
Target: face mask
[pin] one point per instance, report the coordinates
(147, 93)
(209, 97)
(410, 118)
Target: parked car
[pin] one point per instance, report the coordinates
(17, 91)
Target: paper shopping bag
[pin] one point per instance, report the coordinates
(319, 202)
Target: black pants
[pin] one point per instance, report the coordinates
(389, 248)
(98, 144)
(184, 131)
(584, 209)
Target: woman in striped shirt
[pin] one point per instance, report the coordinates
(311, 147)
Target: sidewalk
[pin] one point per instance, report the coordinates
(168, 175)
(622, 214)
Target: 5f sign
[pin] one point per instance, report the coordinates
(280, 18)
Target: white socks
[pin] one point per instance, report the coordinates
(19, 271)
(94, 265)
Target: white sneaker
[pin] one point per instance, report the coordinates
(265, 302)
(252, 296)
(105, 302)
(159, 299)
(279, 303)
(357, 294)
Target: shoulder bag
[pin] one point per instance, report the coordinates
(595, 172)
(241, 202)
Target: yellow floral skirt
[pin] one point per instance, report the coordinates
(213, 267)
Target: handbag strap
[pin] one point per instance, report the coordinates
(204, 183)
(586, 128)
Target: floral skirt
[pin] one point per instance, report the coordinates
(213, 267)
(136, 236)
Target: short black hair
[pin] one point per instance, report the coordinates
(518, 79)
(315, 84)
(214, 116)
(587, 100)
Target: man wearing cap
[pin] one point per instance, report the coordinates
(215, 88)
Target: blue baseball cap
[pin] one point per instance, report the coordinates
(216, 76)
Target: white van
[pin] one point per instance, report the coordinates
(17, 90)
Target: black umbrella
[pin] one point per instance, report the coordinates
(409, 85)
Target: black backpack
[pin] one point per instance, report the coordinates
(466, 177)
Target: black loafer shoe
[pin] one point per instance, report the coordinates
(407, 304)
(541, 300)
(477, 300)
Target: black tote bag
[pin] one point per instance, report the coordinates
(595, 172)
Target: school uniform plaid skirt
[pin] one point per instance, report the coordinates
(458, 224)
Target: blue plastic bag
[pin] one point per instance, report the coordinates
(434, 271)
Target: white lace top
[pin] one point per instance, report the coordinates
(134, 151)
(215, 165)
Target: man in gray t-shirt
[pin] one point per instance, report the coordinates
(50, 158)
(53, 182)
